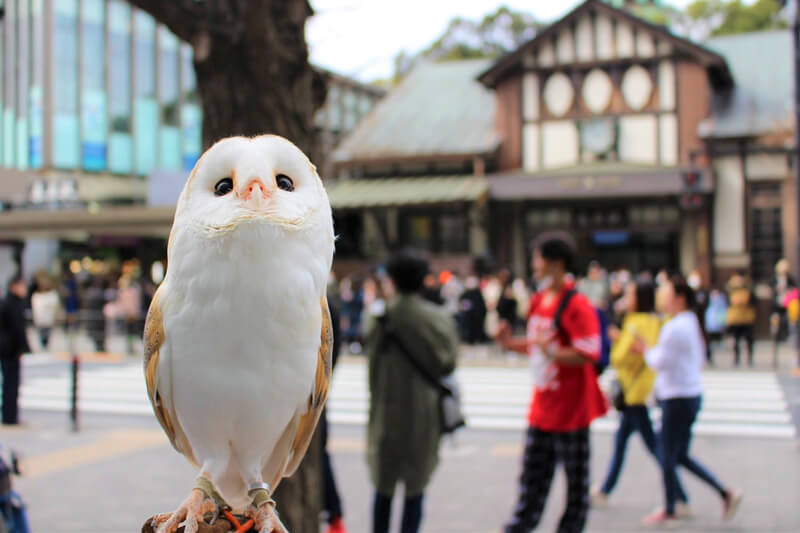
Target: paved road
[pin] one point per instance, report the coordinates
(120, 469)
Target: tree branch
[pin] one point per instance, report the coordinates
(182, 17)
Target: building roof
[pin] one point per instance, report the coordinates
(761, 98)
(439, 109)
(383, 192)
(715, 63)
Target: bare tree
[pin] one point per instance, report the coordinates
(253, 76)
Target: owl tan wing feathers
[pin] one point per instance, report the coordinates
(154, 337)
(316, 401)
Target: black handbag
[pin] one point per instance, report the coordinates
(618, 392)
(450, 409)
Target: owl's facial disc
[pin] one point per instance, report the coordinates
(264, 179)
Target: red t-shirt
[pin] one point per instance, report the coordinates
(565, 398)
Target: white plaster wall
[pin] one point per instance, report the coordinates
(565, 47)
(530, 147)
(530, 96)
(605, 37)
(666, 85)
(584, 40)
(625, 43)
(547, 56)
(729, 216)
(645, 47)
(668, 139)
(637, 139)
(559, 143)
(767, 166)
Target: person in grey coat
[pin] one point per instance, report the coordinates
(404, 419)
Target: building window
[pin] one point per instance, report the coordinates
(191, 113)
(168, 78)
(35, 93)
(145, 106)
(766, 229)
(66, 138)
(120, 156)
(453, 233)
(419, 232)
(93, 95)
(446, 232)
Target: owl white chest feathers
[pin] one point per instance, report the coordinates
(242, 318)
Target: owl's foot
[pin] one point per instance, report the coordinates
(262, 511)
(189, 514)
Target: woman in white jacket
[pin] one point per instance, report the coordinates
(45, 305)
(678, 360)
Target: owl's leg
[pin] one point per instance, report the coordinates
(191, 512)
(262, 510)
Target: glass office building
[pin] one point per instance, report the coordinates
(94, 86)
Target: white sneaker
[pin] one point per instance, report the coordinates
(731, 503)
(597, 498)
(682, 510)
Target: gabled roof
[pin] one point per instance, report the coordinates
(439, 109)
(714, 62)
(761, 100)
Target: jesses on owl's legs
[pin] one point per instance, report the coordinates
(262, 510)
(189, 514)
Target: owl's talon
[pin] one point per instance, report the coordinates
(188, 515)
(265, 518)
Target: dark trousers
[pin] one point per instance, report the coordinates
(330, 497)
(677, 417)
(632, 419)
(542, 451)
(44, 337)
(743, 332)
(382, 511)
(11, 372)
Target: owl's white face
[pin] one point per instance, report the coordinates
(244, 179)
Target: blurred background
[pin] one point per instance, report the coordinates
(661, 135)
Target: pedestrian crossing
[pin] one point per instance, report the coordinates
(735, 404)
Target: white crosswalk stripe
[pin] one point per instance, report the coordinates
(735, 404)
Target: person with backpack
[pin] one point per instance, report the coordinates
(634, 383)
(741, 317)
(410, 343)
(563, 343)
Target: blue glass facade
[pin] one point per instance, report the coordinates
(104, 89)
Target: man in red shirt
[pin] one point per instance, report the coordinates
(566, 396)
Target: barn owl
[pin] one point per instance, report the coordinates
(238, 338)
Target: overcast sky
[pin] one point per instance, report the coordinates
(359, 38)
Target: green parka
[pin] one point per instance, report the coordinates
(404, 419)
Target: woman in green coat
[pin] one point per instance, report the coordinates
(404, 420)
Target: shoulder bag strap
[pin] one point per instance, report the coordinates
(390, 336)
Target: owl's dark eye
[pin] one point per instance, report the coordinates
(284, 182)
(223, 187)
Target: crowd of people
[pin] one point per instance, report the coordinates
(654, 331)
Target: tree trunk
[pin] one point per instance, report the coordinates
(253, 77)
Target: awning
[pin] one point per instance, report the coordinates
(128, 220)
(384, 192)
(592, 181)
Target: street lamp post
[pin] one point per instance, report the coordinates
(796, 58)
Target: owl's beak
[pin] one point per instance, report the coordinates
(255, 194)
